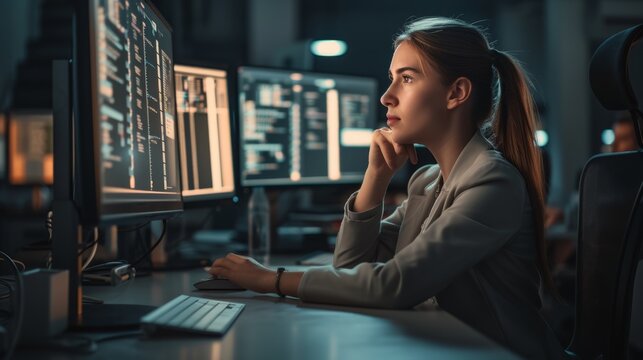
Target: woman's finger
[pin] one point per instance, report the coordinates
(219, 271)
(400, 149)
(386, 148)
(237, 259)
(223, 262)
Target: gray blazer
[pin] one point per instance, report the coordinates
(469, 246)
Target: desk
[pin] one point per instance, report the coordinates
(273, 328)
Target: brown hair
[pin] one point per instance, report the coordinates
(502, 102)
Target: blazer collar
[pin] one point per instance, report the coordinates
(477, 144)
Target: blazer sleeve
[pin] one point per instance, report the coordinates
(365, 237)
(486, 211)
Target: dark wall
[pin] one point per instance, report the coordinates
(208, 32)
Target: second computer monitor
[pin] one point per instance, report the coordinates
(205, 133)
(304, 128)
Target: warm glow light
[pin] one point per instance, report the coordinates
(328, 47)
(296, 76)
(542, 138)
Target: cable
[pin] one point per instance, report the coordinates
(92, 300)
(111, 264)
(49, 223)
(17, 262)
(149, 251)
(93, 253)
(134, 228)
(87, 247)
(90, 244)
(20, 297)
(21, 264)
(9, 288)
(119, 336)
(105, 266)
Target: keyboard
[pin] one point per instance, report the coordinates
(193, 315)
(324, 258)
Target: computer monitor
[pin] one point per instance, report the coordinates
(127, 114)
(30, 148)
(204, 133)
(299, 128)
(114, 136)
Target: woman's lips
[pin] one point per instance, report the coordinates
(392, 120)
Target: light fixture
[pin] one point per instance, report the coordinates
(542, 138)
(607, 136)
(328, 47)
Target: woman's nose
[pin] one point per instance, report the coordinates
(387, 98)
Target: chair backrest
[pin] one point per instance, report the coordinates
(635, 350)
(608, 188)
(627, 320)
(609, 184)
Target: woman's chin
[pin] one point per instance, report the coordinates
(401, 138)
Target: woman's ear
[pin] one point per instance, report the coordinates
(458, 92)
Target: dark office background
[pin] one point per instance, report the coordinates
(553, 38)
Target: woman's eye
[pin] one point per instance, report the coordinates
(406, 78)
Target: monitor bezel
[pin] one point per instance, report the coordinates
(196, 200)
(87, 180)
(289, 184)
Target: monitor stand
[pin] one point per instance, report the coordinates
(112, 316)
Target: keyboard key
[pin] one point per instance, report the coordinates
(198, 315)
(209, 318)
(175, 310)
(185, 314)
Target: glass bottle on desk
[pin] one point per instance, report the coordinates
(259, 226)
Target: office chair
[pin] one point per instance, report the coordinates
(606, 259)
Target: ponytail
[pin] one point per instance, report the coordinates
(514, 127)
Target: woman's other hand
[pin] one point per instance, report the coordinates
(245, 272)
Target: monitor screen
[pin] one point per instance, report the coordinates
(31, 158)
(133, 131)
(304, 128)
(204, 133)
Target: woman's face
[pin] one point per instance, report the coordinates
(416, 99)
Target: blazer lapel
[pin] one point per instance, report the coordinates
(428, 207)
(412, 223)
(437, 208)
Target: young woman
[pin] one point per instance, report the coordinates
(469, 237)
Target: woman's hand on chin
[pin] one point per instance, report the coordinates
(386, 156)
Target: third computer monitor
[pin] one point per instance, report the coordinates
(30, 148)
(205, 133)
(300, 128)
